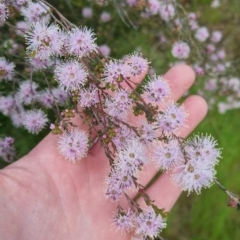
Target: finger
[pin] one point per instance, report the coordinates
(180, 78)
(163, 191)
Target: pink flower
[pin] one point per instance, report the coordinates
(44, 40)
(40, 62)
(123, 220)
(105, 17)
(199, 70)
(167, 12)
(192, 16)
(194, 175)
(221, 54)
(157, 89)
(131, 3)
(211, 85)
(88, 96)
(132, 157)
(27, 92)
(105, 50)
(149, 224)
(35, 12)
(116, 71)
(203, 148)
(202, 34)
(146, 131)
(167, 155)
(60, 96)
(71, 75)
(198, 171)
(138, 64)
(211, 48)
(153, 7)
(181, 50)
(81, 42)
(7, 104)
(21, 2)
(193, 24)
(173, 118)
(87, 12)
(46, 98)
(216, 36)
(6, 69)
(123, 135)
(22, 28)
(35, 120)
(73, 145)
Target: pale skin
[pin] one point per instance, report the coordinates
(42, 196)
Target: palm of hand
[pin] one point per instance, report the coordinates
(44, 197)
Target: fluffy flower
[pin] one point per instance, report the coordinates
(7, 104)
(105, 50)
(119, 181)
(198, 69)
(123, 134)
(167, 12)
(73, 145)
(138, 65)
(87, 12)
(21, 2)
(35, 120)
(167, 155)
(157, 89)
(88, 97)
(123, 220)
(153, 7)
(147, 131)
(27, 92)
(181, 50)
(39, 62)
(35, 12)
(149, 224)
(116, 71)
(81, 42)
(194, 175)
(203, 148)
(46, 98)
(118, 105)
(113, 192)
(221, 54)
(198, 172)
(44, 40)
(132, 157)
(71, 75)
(105, 17)
(173, 118)
(60, 95)
(202, 34)
(216, 36)
(6, 69)
(210, 48)
(22, 28)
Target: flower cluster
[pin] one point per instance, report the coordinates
(135, 123)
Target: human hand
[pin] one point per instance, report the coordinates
(44, 197)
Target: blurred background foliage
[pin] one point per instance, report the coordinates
(194, 217)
